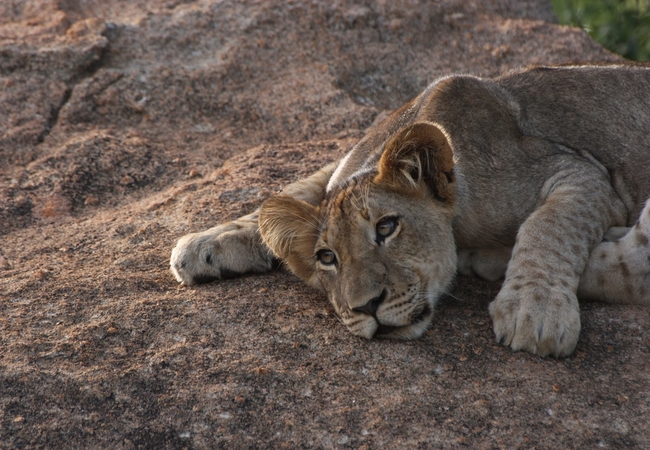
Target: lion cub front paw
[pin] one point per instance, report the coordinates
(538, 319)
(225, 251)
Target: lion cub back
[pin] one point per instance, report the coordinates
(598, 112)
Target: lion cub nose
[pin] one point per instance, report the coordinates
(372, 306)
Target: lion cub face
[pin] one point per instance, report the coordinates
(384, 259)
(381, 245)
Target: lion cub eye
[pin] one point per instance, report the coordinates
(326, 257)
(385, 227)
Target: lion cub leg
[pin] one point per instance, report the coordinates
(236, 248)
(537, 308)
(619, 272)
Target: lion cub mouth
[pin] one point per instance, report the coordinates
(388, 331)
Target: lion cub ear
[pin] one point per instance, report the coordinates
(290, 228)
(417, 154)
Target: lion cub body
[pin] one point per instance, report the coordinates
(519, 176)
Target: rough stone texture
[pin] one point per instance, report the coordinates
(126, 124)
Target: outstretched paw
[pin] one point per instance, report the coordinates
(537, 319)
(222, 252)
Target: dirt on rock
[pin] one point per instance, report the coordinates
(126, 124)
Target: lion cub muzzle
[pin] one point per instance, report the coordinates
(401, 316)
(371, 308)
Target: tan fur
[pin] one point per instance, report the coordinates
(619, 272)
(523, 176)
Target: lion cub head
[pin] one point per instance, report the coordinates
(380, 244)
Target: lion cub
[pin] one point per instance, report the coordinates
(539, 176)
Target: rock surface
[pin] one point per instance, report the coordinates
(126, 124)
